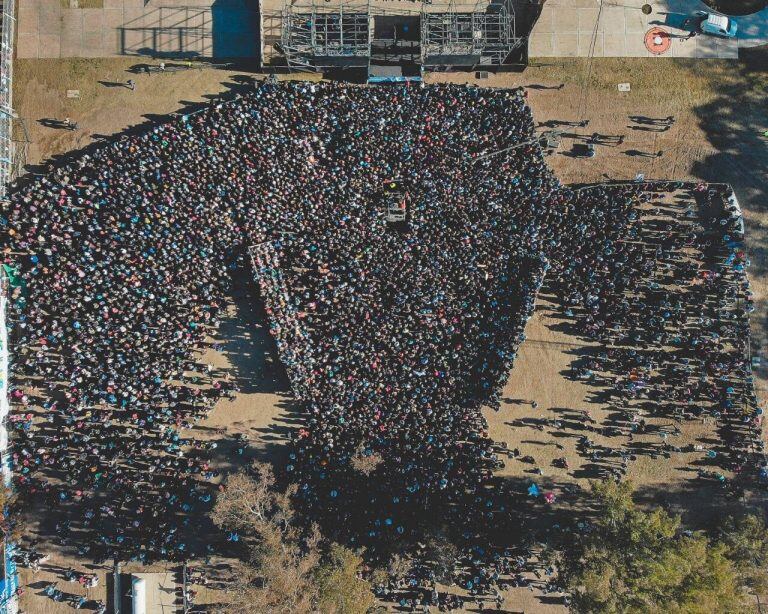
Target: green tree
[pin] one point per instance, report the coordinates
(747, 540)
(639, 561)
(9, 519)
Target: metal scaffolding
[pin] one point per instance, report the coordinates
(483, 37)
(326, 34)
(320, 35)
(6, 92)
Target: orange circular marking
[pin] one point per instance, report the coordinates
(657, 41)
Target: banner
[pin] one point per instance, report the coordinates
(8, 600)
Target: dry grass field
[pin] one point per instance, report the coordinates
(720, 115)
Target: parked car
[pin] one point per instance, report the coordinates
(712, 24)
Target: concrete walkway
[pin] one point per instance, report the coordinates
(159, 28)
(567, 28)
(227, 29)
(161, 589)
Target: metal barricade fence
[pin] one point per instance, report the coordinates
(6, 93)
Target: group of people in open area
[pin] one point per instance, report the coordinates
(394, 334)
(668, 299)
(656, 273)
(126, 255)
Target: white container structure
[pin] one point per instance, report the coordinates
(138, 595)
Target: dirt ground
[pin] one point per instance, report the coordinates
(720, 116)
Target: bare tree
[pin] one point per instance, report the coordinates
(366, 463)
(280, 576)
(399, 566)
(441, 553)
(248, 500)
(286, 573)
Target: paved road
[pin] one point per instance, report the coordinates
(753, 29)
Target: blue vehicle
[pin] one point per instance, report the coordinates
(712, 24)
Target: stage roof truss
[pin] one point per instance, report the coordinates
(330, 34)
(486, 34)
(318, 35)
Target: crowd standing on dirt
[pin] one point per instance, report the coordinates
(394, 335)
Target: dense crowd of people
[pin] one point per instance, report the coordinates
(125, 256)
(394, 334)
(397, 333)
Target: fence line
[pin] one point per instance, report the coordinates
(8, 598)
(8, 601)
(6, 94)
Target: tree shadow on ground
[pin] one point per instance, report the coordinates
(734, 123)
